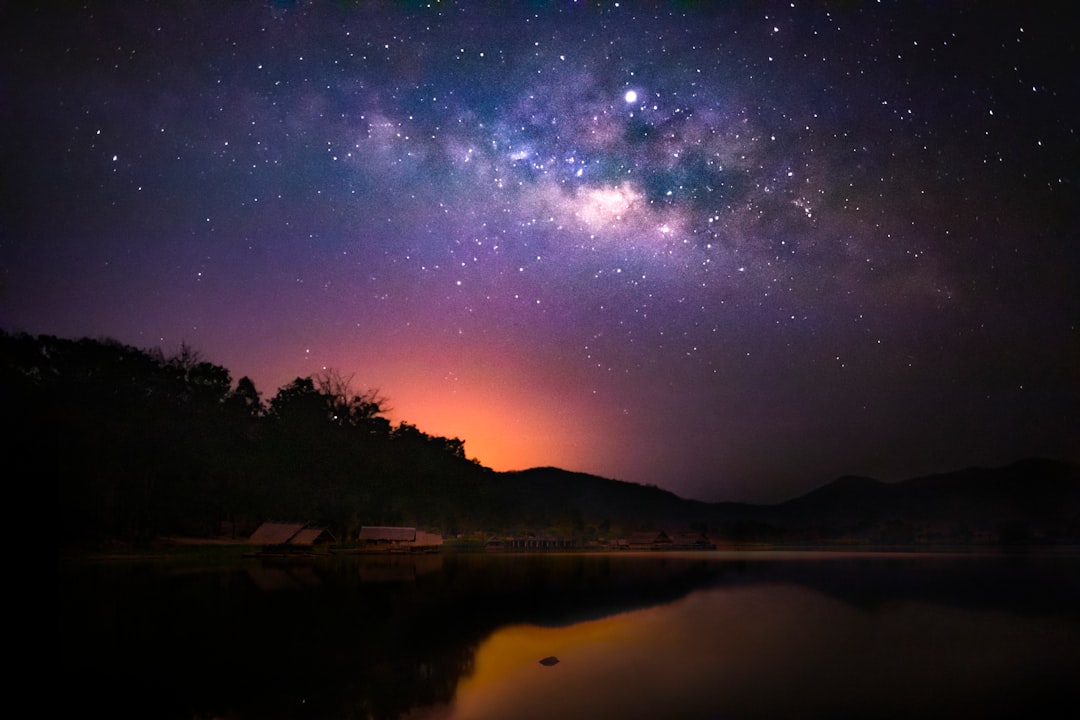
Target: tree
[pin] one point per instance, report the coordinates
(349, 408)
(245, 399)
(299, 403)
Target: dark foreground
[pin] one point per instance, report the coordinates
(674, 635)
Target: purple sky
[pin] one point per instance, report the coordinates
(733, 253)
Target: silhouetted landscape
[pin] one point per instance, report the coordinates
(146, 448)
(224, 642)
(1032, 500)
(141, 446)
(548, 360)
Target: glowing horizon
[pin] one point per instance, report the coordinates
(684, 246)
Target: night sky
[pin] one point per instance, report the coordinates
(731, 252)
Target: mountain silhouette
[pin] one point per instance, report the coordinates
(139, 445)
(1032, 500)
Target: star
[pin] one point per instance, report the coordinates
(413, 195)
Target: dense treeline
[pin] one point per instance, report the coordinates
(141, 445)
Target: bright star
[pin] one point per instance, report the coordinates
(631, 96)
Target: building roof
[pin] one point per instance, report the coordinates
(427, 539)
(392, 534)
(649, 537)
(310, 536)
(275, 533)
(289, 533)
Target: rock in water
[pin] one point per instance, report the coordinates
(550, 660)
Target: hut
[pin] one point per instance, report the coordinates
(650, 540)
(692, 541)
(531, 542)
(311, 535)
(427, 542)
(289, 537)
(274, 533)
(399, 539)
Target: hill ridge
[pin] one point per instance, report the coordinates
(1029, 500)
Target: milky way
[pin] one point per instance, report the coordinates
(730, 252)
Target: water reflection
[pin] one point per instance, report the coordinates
(460, 636)
(773, 651)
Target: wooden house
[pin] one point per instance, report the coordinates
(399, 539)
(692, 541)
(531, 542)
(650, 540)
(311, 536)
(285, 537)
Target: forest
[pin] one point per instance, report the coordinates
(141, 445)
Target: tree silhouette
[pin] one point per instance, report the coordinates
(245, 399)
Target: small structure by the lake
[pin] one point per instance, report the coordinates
(289, 537)
(379, 538)
(530, 542)
(692, 541)
(662, 540)
(650, 540)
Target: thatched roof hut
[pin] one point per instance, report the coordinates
(376, 533)
(285, 533)
(649, 540)
(311, 536)
(274, 533)
(693, 541)
(399, 538)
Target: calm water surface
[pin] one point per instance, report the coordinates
(709, 635)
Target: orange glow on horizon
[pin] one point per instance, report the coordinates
(512, 412)
(505, 426)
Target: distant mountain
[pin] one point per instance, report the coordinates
(560, 496)
(139, 445)
(1033, 500)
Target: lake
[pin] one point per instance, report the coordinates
(636, 635)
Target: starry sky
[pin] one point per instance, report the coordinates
(731, 251)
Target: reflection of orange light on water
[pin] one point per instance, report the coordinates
(515, 652)
(762, 651)
(509, 681)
